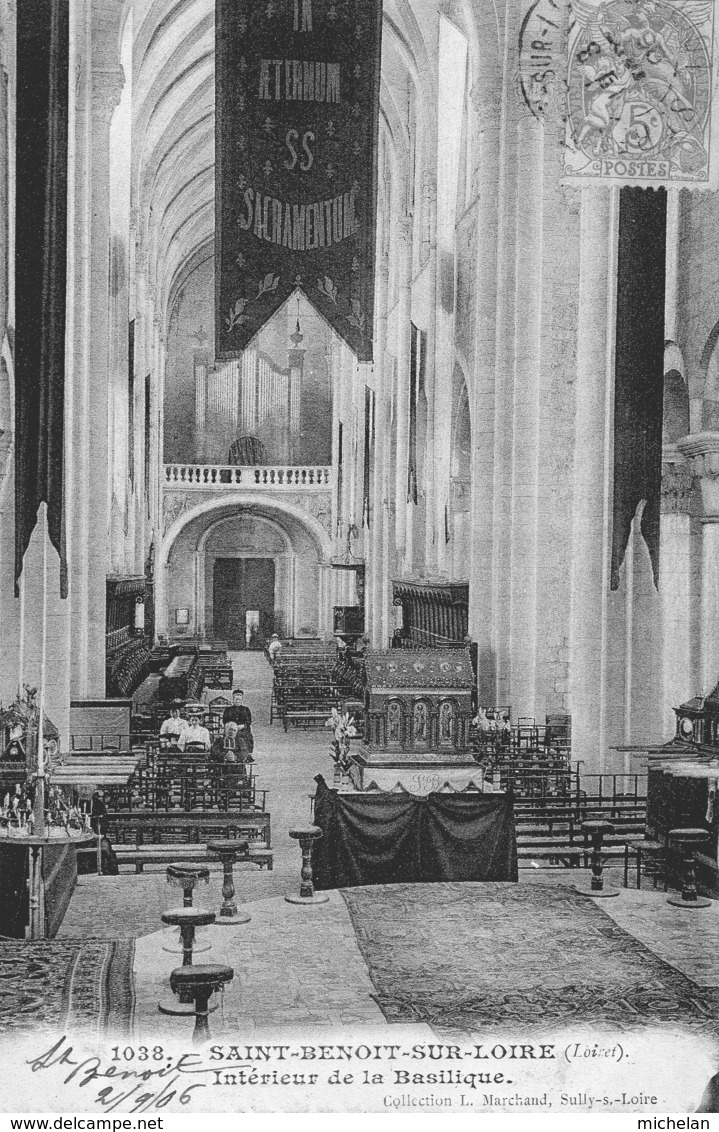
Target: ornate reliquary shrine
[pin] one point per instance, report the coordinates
(418, 708)
(418, 701)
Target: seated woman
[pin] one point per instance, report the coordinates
(173, 726)
(195, 737)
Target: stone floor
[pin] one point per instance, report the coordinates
(129, 905)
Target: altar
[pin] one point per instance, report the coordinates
(391, 838)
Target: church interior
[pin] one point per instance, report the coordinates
(359, 664)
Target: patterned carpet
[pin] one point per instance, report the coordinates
(463, 957)
(67, 985)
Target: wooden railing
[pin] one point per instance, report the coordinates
(223, 475)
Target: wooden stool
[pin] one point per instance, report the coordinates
(596, 830)
(187, 877)
(686, 841)
(197, 985)
(228, 852)
(187, 919)
(307, 895)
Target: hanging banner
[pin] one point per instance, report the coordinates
(297, 106)
(40, 268)
(639, 372)
(639, 93)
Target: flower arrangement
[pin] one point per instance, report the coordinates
(343, 729)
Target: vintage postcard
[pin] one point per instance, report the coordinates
(359, 546)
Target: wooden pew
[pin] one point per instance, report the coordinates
(182, 679)
(157, 837)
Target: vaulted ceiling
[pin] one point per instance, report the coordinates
(173, 140)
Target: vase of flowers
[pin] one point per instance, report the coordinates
(343, 729)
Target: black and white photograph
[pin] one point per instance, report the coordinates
(359, 559)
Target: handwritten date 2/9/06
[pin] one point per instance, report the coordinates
(154, 1086)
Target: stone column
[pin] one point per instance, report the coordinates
(486, 119)
(199, 587)
(431, 534)
(525, 419)
(93, 451)
(675, 588)
(702, 453)
(403, 316)
(78, 343)
(591, 503)
(325, 599)
(376, 621)
(672, 265)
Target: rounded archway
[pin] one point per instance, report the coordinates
(237, 571)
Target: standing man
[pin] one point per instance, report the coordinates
(242, 716)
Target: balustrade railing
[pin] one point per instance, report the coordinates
(222, 475)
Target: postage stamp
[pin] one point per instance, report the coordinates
(640, 75)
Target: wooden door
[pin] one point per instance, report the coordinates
(239, 585)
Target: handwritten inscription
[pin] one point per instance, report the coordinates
(151, 1087)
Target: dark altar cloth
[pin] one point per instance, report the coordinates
(59, 873)
(379, 838)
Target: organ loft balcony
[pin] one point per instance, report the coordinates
(262, 477)
(261, 433)
(309, 488)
